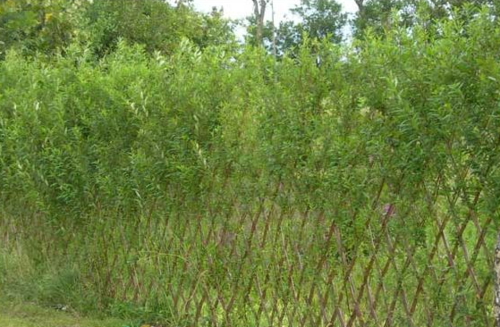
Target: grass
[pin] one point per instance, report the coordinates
(27, 298)
(29, 315)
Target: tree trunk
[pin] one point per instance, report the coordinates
(361, 6)
(275, 50)
(496, 306)
(259, 9)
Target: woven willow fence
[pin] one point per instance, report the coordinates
(274, 267)
(266, 265)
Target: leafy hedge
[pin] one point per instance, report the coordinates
(131, 128)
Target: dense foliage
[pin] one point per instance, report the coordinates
(142, 172)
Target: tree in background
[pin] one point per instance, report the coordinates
(259, 15)
(155, 24)
(317, 19)
(377, 14)
(49, 26)
(444, 8)
(216, 29)
(320, 19)
(30, 26)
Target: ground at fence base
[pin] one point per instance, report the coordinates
(29, 315)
